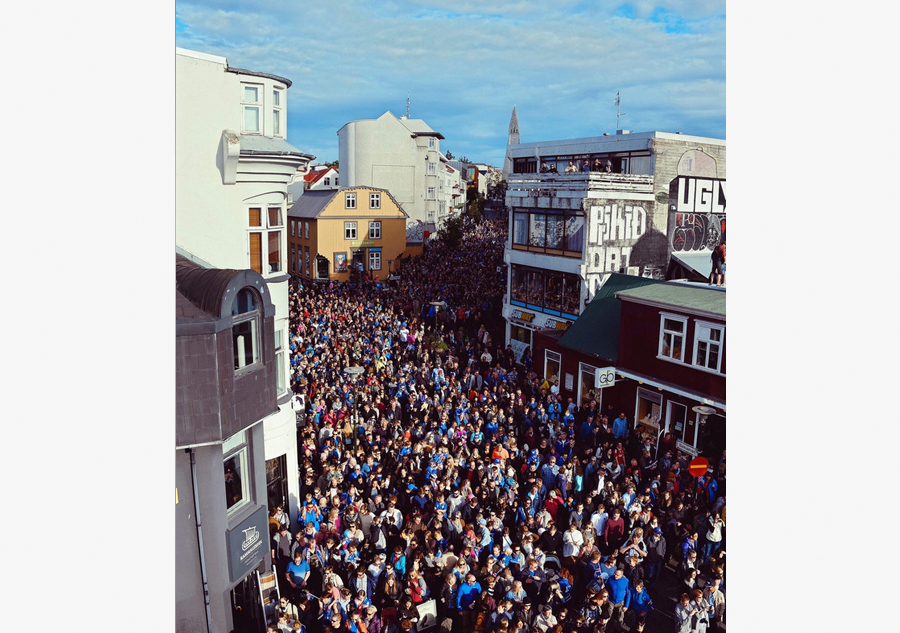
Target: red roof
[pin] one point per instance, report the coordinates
(315, 175)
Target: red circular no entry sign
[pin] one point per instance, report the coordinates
(698, 466)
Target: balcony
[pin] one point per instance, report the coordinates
(581, 181)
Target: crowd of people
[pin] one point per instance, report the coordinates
(445, 471)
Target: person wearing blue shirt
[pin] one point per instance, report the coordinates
(297, 573)
(620, 427)
(466, 599)
(619, 595)
(639, 600)
(584, 432)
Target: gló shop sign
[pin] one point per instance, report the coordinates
(604, 377)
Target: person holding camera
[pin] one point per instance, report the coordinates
(703, 611)
(713, 536)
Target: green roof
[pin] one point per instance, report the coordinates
(596, 331)
(696, 298)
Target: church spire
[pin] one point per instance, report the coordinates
(512, 139)
(513, 129)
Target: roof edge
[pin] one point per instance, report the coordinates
(243, 71)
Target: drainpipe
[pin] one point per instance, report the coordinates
(200, 542)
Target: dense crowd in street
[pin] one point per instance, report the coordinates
(446, 471)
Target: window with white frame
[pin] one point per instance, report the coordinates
(349, 230)
(374, 200)
(265, 236)
(279, 362)
(277, 113)
(245, 328)
(327, 182)
(431, 143)
(251, 103)
(708, 339)
(430, 195)
(306, 230)
(236, 457)
(587, 376)
(431, 169)
(350, 200)
(374, 230)
(552, 363)
(672, 329)
(374, 260)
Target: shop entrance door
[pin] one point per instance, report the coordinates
(321, 267)
(246, 610)
(358, 263)
(276, 483)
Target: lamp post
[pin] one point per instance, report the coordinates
(704, 412)
(355, 372)
(437, 307)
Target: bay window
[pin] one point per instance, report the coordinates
(268, 234)
(251, 104)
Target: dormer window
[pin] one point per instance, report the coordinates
(245, 329)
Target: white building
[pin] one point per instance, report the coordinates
(233, 165)
(401, 155)
(610, 212)
(452, 193)
(315, 178)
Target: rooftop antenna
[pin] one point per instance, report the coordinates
(407, 105)
(618, 114)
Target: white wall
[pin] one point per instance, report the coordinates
(211, 218)
(381, 153)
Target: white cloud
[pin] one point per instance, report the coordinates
(559, 63)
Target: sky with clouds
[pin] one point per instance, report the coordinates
(465, 64)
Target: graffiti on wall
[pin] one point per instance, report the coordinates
(697, 232)
(415, 232)
(697, 219)
(617, 221)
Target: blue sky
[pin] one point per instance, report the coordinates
(465, 64)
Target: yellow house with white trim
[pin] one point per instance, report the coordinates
(331, 233)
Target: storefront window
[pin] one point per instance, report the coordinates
(552, 362)
(649, 410)
(556, 229)
(574, 232)
(586, 390)
(550, 291)
(572, 295)
(276, 484)
(520, 228)
(537, 228)
(553, 298)
(519, 285)
(535, 288)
